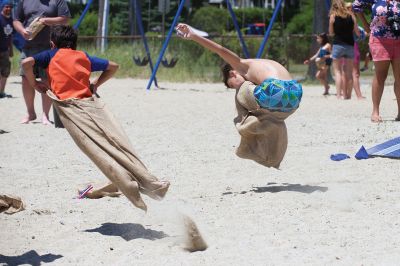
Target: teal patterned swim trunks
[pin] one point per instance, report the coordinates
(278, 95)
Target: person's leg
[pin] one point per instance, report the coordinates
(337, 69)
(323, 77)
(29, 97)
(347, 77)
(396, 74)
(356, 80)
(3, 81)
(378, 83)
(46, 105)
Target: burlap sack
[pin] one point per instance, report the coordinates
(34, 28)
(10, 204)
(263, 133)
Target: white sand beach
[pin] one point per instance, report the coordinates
(313, 211)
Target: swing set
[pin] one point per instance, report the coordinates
(169, 64)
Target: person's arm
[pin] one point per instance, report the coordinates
(27, 65)
(361, 16)
(331, 21)
(358, 8)
(307, 61)
(54, 21)
(105, 75)
(356, 30)
(227, 55)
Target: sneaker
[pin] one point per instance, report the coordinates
(363, 69)
(3, 95)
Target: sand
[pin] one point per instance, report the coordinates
(313, 211)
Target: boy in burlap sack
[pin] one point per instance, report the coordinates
(93, 128)
(266, 95)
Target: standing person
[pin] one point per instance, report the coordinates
(356, 62)
(323, 60)
(384, 45)
(51, 12)
(342, 25)
(266, 95)
(6, 50)
(87, 119)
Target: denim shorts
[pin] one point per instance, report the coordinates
(278, 95)
(342, 50)
(37, 71)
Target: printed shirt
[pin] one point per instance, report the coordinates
(69, 71)
(379, 26)
(6, 29)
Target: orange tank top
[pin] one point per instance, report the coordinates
(69, 72)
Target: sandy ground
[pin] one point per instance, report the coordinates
(312, 211)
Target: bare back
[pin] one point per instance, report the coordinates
(259, 70)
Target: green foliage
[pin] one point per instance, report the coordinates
(211, 19)
(302, 22)
(88, 26)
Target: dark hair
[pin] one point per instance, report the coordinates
(64, 36)
(225, 69)
(324, 38)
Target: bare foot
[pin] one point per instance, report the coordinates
(376, 118)
(28, 118)
(361, 98)
(159, 193)
(45, 120)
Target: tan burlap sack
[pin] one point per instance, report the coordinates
(34, 28)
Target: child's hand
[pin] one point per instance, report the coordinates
(41, 87)
(184, 31)
(306, 62)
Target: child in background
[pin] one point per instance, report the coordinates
(322, 60)
(93, 128)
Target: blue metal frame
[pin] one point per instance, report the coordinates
(328, 4)
(78, 23)
(141, 30)
(242, 43)
(267, 33)
(164, 48)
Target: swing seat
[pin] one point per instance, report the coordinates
(169, 64)
(140, 62)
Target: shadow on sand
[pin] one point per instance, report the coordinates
(30, 257)
(128, 231)
(274, 188)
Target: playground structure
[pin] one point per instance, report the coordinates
(161, 59)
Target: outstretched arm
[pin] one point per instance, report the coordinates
(227, 55)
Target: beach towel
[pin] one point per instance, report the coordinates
(11, 204)
(97, 133)
(263, 133)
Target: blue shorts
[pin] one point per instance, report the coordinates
(342, 50)
(279, 95)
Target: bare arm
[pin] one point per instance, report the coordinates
(331, 21)
(356, 30)
(307, 61)
(105, 75)
(27, 66)
(21, 29)
(227, 55)
(361, 16)
(54, 21)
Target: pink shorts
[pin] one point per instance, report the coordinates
(383, 49)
